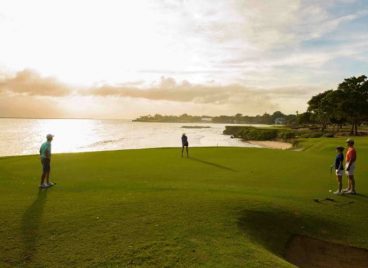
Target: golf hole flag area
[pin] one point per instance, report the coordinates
(222, 207)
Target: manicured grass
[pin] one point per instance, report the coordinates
(224, 207)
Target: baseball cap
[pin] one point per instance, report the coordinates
(49, 136)
(350, 141)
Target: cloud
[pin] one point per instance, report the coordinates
(169, 89)
(31, 83)
(252, 39)
(204, 97)
(257, 53)
(316, 20)
(221, 97)
(30, 107)
(199, 41)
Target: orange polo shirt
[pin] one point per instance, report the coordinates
(351, 155)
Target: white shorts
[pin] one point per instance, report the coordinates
(350, 172)
(339, 172)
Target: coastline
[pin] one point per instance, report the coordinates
(272, 144)
(257, 144)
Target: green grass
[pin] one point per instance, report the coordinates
(224, 207)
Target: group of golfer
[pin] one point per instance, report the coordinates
(349, 168)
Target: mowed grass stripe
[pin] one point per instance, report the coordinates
(224, 207)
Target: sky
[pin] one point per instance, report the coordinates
(123, 59)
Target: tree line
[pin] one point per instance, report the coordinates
(266, 118)
(346, 105)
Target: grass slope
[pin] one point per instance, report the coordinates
(224, 207)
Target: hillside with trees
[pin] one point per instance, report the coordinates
(345, 106)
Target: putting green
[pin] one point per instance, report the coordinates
(223, 207)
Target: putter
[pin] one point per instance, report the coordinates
(331, 168)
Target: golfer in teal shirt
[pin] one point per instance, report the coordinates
(45, 150)
(45, 154)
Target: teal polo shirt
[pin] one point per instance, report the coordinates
(45, 147)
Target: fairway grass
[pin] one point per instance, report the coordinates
(223, 207)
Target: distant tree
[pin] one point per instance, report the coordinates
(277, 114)
(266, 119)
(336, 99)
(305, 118)
(238, 118)
(321, 108)
(291, 119)
(354, 106)
(349, 103)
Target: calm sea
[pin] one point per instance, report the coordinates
(24, 136)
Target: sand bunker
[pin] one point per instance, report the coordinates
(304, 251)
(272, 144)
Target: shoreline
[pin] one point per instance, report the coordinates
(279, 145)
(257, 144)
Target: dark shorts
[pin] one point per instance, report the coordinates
(45, 164)
(185, 144)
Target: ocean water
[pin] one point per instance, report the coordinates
(24, 136)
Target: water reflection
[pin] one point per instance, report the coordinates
(24, 136)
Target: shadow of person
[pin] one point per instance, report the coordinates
(31, 221)
(211, 164)
(360, 196)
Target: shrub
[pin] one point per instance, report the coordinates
(233, 130)
(251, 133)
(329, 135)
(287, 135)
(259, 134)
(312, 135)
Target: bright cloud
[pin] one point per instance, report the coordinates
(235, 53)
(31, 83)
(50, 95)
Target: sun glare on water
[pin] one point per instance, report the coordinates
(70, 134)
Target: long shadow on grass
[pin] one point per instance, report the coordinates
(272, 228)
(357, 196)
(212, 164)
(31, 221)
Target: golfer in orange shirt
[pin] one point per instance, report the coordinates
(350, 158)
